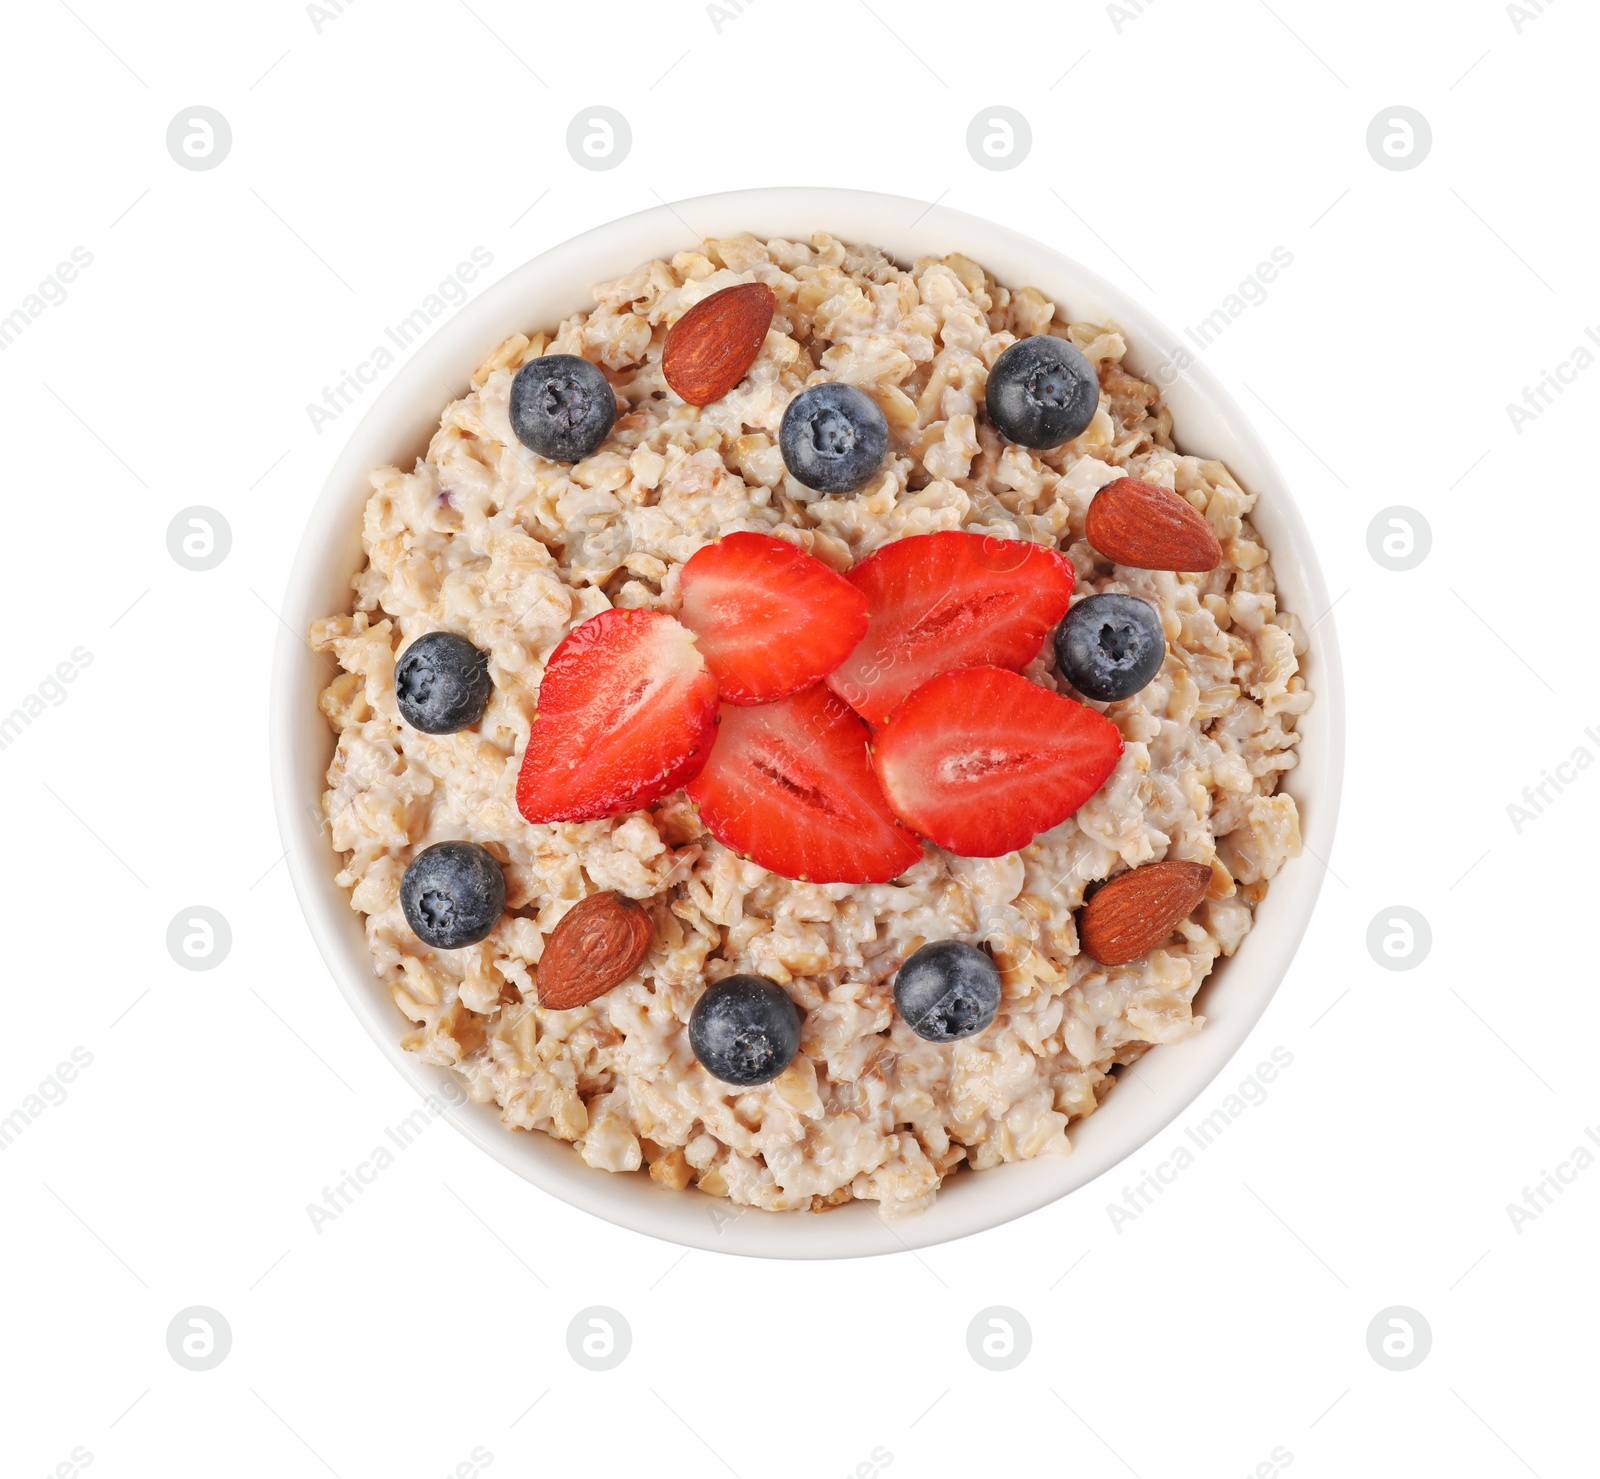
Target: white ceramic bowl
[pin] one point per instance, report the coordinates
(396, 429)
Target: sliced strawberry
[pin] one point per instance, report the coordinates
(789, 786)
(944, 601)
(627, 712)
(771, 619)
(981, 761)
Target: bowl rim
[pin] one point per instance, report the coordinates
(435, 369)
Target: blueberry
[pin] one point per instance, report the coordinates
(744, 1030)
(562, 407)
(1110, 646)
(833, 437)
(452, 894)
(441, 683)
(1042, 392)
(947, 991)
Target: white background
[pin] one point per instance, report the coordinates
(1172, 151)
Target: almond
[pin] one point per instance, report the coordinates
(598, 942)
(710, 349)
(1138, 910)
(1150, 528)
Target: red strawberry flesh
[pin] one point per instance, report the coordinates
(790, 787)
(627, 713)
(944, 601)
(771, 619)
(981, 761)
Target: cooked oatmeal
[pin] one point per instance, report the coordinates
(489, 540)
